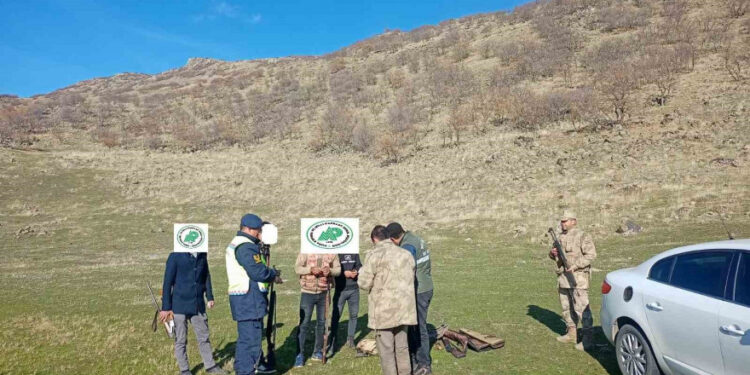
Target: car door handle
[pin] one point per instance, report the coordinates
(732, 330)
(656, 306)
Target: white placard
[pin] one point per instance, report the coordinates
(191, 238)
(329, 236)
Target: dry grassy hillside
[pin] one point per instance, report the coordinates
(582, 63)
(616, 108)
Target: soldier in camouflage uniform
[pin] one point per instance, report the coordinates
(573, 283)
(388, 276)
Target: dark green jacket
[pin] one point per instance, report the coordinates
(421, 253)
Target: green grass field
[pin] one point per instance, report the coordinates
(75, 300)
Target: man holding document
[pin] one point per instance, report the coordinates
(186, 282)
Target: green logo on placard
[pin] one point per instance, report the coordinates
(329, 234)
(190, 237)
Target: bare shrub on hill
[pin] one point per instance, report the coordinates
(737, 8)
(508, 51)
(660, 66)
(447, 84)
(619, 16)
(108, 137)
(615, 75)
(557, 54)
(396, 78)
(345, 85)
(362, 137)
(421, 34)
(449, 40)
(460, 52)
(403, 117)
(736, 60)
(334, 130)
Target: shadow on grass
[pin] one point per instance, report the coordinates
(601, 351)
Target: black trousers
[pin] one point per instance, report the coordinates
(307, 303)
(419, 339)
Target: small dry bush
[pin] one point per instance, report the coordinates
(107, 137)
(737, 8)
(344, 85)
(736, 60)
(334, 130)
(460, 52)
(661, 65)
(613, 64)
(619, 16)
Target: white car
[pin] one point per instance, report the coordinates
(684, 311)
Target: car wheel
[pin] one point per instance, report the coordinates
(634, 354)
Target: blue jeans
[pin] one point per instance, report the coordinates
(248, 349)
(308, 302)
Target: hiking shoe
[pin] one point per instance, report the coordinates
(424, 370)
(350, 342)
(299, 361)
(265, 369)
(317, 356)
(216, 370)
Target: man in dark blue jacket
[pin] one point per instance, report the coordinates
(186, 281)
(249, 279)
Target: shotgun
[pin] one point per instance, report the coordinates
(155, 323)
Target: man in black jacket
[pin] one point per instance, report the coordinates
(186, 281)
(347, 291)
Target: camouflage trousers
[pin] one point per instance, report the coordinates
(575, 307)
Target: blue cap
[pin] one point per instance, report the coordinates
(251, 221)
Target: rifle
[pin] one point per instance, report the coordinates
(157, 309)
(561, 255)
(327, 326)
(271, 321)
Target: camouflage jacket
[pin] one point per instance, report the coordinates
(580, 252)
(388, 276)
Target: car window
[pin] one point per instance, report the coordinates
(702, 272)
(742, 283)
(660, 270)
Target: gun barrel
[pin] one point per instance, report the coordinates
(560, 252)
(153, 298)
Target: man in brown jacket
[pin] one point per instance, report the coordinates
(388, 276)
(573, 283)
(316, 273)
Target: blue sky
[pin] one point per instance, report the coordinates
(49, 44)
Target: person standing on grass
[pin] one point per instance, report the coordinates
(388, 277)
(419, 339)
(346, 292)
(186, 282)
(574, 292)
(316, 273)
(249, 279)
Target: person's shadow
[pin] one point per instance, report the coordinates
(602, 350)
